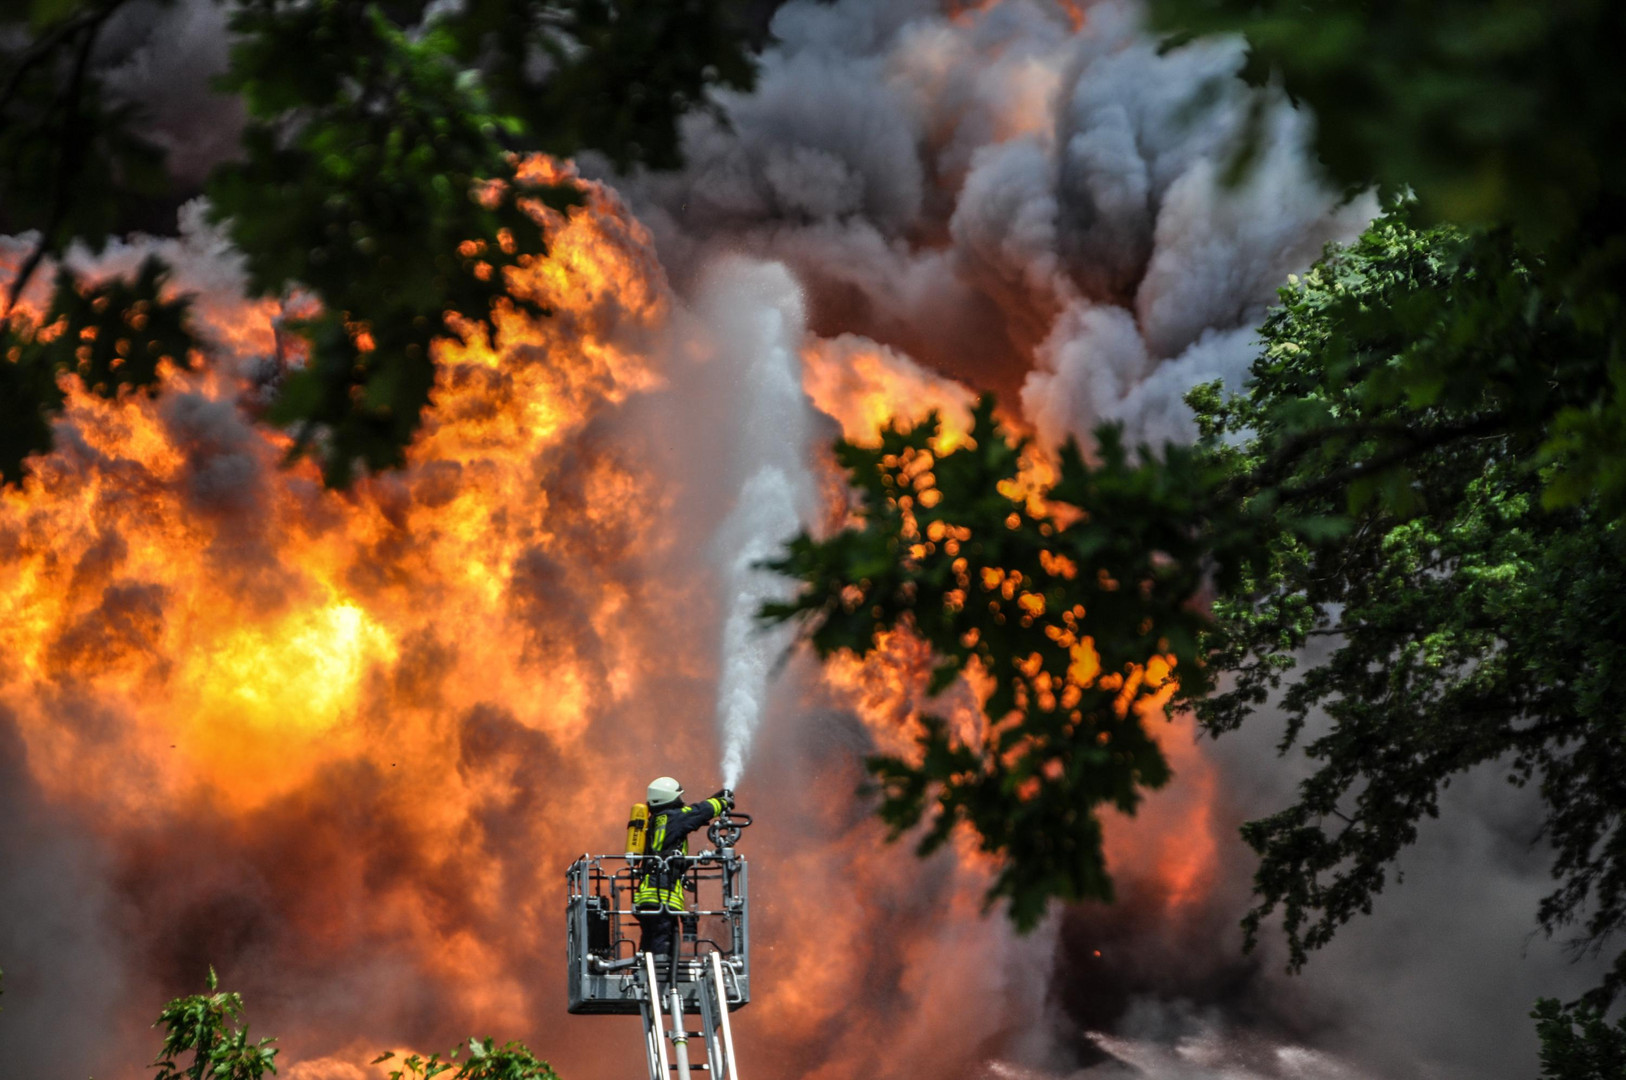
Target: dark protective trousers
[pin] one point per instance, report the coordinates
(659, 930)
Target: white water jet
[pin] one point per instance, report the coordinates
(758, 309)
(764, 517)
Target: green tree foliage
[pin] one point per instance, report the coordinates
(1483, 111)
(71, 168)
(71, 163)
(1384, 484)
(1076, 609)
(1469, 622)
(207, 1026)
(375, 177)
(111, 336)
(1579, 1044)
(485, 1061)
(378, 175)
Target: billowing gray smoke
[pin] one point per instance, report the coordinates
(1019, 196)
(1034, 208)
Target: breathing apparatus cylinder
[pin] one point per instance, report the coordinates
(637, 827)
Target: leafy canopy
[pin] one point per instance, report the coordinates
(1479, 108)
(1071, 599)
(485, 1061)
(111, 336)
(393, 199)
(1480, 111)
(209, 1027)
(1405, 518)
(378, 178)
(1579, 1044)
(1470, 621)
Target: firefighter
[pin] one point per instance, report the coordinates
(658, 900)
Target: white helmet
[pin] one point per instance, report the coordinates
(663, 790)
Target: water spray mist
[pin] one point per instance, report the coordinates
(774, 494)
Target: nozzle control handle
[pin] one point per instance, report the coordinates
(726, 827)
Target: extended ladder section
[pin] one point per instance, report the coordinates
(708, 973)
(713, 999)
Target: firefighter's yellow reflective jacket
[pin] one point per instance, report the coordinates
(668, 834)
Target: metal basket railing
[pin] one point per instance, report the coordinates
(603, 929)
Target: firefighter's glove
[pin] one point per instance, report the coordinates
(725, 799)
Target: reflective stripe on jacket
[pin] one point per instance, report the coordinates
(668, 834)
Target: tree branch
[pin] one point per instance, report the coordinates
(1357, 470)
(71, 158)
(45, 46)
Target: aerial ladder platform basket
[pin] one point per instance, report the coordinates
(708, 973)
